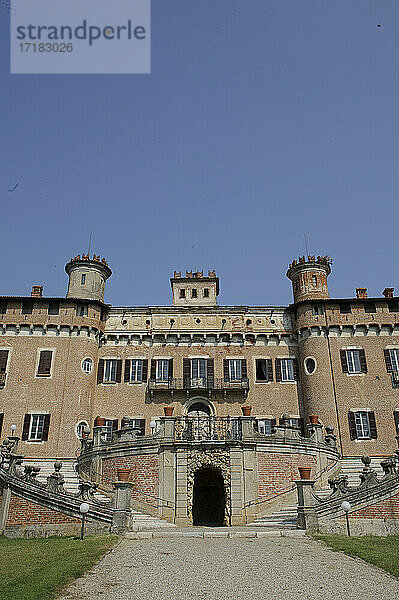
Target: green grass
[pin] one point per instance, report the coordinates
(35, 569)
(382, 552)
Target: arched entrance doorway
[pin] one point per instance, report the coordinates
(209, 499)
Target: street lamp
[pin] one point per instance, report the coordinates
(83, 509)
(13, 428)
(346, 507)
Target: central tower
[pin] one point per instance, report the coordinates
(194, 289)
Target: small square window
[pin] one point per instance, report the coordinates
(27, 306)
(317, 310)
(3, 307)
(194, 293)
(393, 306)
(83, 279)
(81, 310)
(369, 307)
(314, 279)
(54, 308)
(345, 308)
(206, 292)
(264, 426)
(182, 293)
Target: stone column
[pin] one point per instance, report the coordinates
(121, 516)
(167, 483)
(236, 490)
(307, 515)
(96, 465)
(168, 428)
(181, 517)
(4, 507)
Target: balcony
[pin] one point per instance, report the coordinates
(204, 384)
(3, 379)
(207, 429)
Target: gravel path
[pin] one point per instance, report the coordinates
(279, 568)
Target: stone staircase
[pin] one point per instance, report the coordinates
(353, 466)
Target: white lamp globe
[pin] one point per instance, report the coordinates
(346, 506)
(84, 508)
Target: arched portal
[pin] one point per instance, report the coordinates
(209, 499)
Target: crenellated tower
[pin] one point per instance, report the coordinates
(87, 277)
(309, 277)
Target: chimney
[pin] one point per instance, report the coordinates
(37, 291)
(361, 293)
(388, 292)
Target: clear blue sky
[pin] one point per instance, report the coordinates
(262, 120)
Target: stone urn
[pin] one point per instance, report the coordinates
(123, 474)
(304, 472)
(168, 410)
(99, 422)
(246, 411)
(314, 419)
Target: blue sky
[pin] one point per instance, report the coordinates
(262, 120)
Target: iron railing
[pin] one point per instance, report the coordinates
(3, 378)
(198, 383)
(395, 379)
(201, 429)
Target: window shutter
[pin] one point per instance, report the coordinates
(296, 368)
(344, 364)
(244, 372)
(145, 370)
(142, 426)
(170, 372)
(278, 369)
(302, 426)
(388, 361)
(100, 371)
(118, 371)
(44, 362)
(46, 428)
(272, 423)
(126, 378)
(363, 363)
(396, 419)
(1, 421)
(153, 369)
(352, 425)
(226, 372)
(114, 425)
(3, 360)
(210, 371)
(269, 367)
(186, 372)
(373, 426)
(25, 430)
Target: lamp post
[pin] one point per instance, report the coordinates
(346, 507)
(13, 428)
(84, 509)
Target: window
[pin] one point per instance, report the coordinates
(162, 369)
(287, 369)
(111, 425)
(310, 365)
(81, 310)
(235, 370)
(138, 424)
(81, 429)
(317, 310)
(27, 306)
(36, 427)
(264, 369)
(110, 368)
(182, 293)
(155, 425)
(353, 361)
(393, 305)
(83, 279)
(87, 366)
(206, 292)
(264, 426)
(103, 315)
(198, 368)
(392, 360)
(194, 293)
(3, 307)
(395, 417)
(362, 425)
(44, 366)
(369, 307)
(314, 279)
(54, 308)
(136, 370)
(3, 360)
(345, 308)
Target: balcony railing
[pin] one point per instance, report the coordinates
(198, 383)
(212, 429)
(395, 379)
(3, 379)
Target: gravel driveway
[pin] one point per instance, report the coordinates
(282, 568)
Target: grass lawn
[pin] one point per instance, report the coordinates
(382, 552)
(35, 569)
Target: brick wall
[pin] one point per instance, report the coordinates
(144, 473)
(385, 509)
(24, 512)
(277, 471)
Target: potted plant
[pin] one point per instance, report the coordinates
(123, 474)
(246, 411)
(304, 472)
(168, 410)
(314, 419)
(99, 422)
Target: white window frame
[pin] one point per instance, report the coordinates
(235, 369)
(362, 423)
(108, 425)
(354, 364)
(287, 369)
(394, 356)
(136, 370)
(86, 360)
(162, 369)
(79, 429)
(195, 366)
(263, 428)
(110, 366)
(36, 427)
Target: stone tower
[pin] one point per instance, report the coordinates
(87, 277)
(195, 289)
(309, 278)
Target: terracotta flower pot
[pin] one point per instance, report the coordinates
(168, 410)
(246, 411)
(304, 472)
(123, 474)
(99, 422)
(314, 419)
